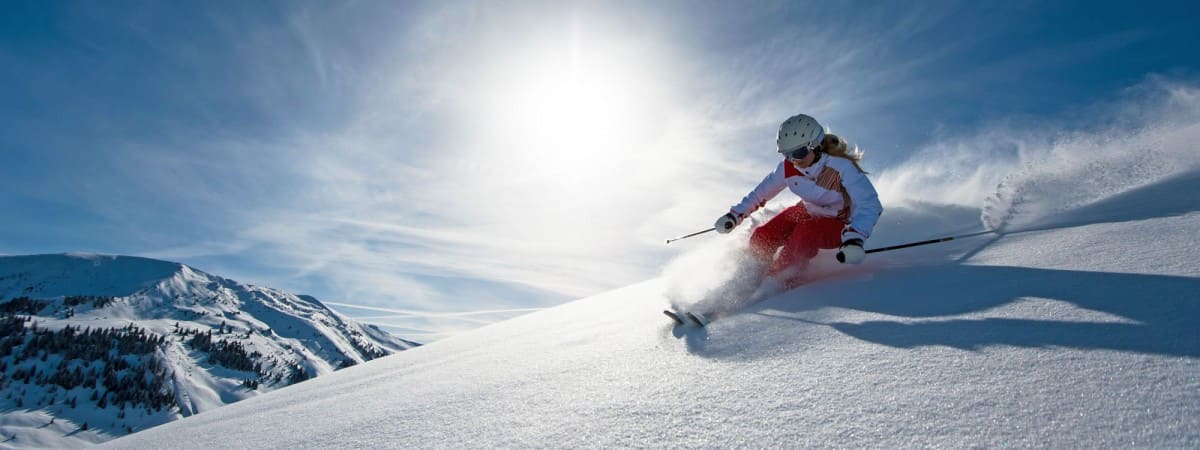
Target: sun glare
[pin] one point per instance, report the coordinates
(567, 116)
(572, 113)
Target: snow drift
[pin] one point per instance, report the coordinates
(1027, 173)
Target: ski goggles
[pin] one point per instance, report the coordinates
(799, 153)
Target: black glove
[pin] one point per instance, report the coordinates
(727, 222)
(852, 252)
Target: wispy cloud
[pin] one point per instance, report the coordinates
(428, 325)
(403, 313)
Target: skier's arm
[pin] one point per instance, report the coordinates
(864, 205)
(767, 189)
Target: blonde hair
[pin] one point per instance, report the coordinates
(833, 145)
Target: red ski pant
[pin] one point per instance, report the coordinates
(800, 235)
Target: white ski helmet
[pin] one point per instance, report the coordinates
(799, 131)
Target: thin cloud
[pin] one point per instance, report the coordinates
(405, 313)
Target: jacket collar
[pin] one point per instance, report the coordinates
(813, 169)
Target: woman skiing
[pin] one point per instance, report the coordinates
(838, 207)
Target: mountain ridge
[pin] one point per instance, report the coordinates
(203, 340)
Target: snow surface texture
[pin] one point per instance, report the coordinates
(157, 296)
(1081, 330)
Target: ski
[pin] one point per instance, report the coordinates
(690, 318)
(677, 317)
(700, 319)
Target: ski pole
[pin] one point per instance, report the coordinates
(931, 241)
(690, 235)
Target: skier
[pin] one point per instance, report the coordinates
(838, 207)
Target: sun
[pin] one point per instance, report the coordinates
(567, 116)
(570, 109)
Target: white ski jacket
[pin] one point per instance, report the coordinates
(830, 187)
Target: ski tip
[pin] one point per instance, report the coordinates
(674, 316)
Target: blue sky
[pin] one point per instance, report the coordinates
(435, 158)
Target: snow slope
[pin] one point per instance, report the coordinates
(1082, 332)
(1076, 326)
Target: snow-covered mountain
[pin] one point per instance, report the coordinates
(99, 346)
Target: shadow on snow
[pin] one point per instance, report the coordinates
(1166, 309)
(1163, 311)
